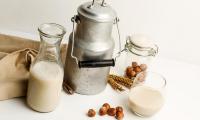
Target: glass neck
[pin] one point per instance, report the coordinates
(50, 49)
(51, 35)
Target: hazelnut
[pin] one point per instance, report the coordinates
(143, 67)
(119, 109)
(111, 111)
(119, 115)
(106, 105)
(91, 113)
(141, 77)
(134, 64)
(128, 71)
(133, 74)
(102, 111)
(137, 69)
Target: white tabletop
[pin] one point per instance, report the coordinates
(182, 100)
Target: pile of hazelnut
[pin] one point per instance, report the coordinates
(106, 109)
(132, 71)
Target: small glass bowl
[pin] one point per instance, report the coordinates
(147, 95)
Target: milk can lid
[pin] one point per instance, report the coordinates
(97, 12)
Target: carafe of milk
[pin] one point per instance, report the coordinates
(46, 72)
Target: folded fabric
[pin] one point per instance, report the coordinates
(2, 54)
(16, 56)
(14, 73)
(9, 44)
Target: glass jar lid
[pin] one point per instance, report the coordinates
(141, 45)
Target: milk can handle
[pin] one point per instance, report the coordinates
(102, 4)
(94, 63)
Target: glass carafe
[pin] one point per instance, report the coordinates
(46, 72)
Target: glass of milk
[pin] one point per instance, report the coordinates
(146, 97)
(46, 72)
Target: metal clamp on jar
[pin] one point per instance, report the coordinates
(90, 49)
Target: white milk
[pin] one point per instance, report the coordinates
(145, 101)
(44, 86)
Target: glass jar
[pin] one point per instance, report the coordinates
(138, 48)
(46, 72)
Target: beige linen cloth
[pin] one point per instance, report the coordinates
(16, 56)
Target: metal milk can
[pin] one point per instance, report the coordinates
(90, 48)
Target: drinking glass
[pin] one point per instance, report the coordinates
(147, 95)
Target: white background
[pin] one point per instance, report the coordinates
(173, 24)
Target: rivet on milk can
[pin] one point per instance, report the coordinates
(90, 48)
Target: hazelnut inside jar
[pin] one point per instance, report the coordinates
(139, 52)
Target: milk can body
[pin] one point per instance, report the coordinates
(92, 41)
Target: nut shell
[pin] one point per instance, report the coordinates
(91, 113)
(133, 74)
(106, 105)
(141, 77)
(143, 67)
(119, 109)
(137, 69)
(134, 64)
(129, 70)
(102, 111)
(111, 111)
(119, 115)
